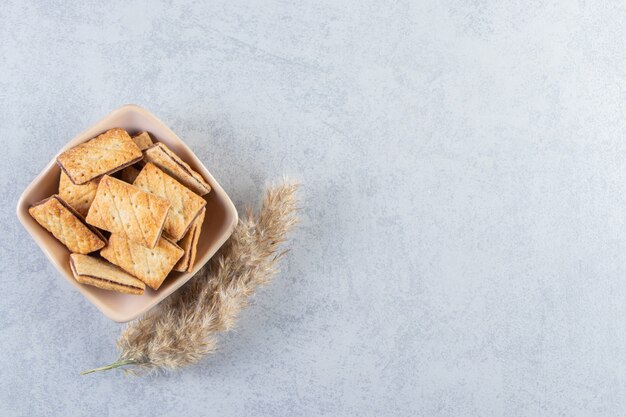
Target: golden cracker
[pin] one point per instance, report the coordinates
(149, 265)
(105, 154)
(143, 140)
(186, 204)
(124, 209)
(65, 224)
(79, 197)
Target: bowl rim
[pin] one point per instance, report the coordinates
(120, 317)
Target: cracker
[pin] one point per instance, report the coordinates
(129, 174)
(122, 208)
(65, 224)
(189, 243)
(105, 154)
(102, 274)
(161, 156)
(142, 140)
(79, 197)
(149, 265)
(186, 205)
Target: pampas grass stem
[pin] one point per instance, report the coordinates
(111, 366)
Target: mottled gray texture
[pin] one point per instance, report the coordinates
(463, 244)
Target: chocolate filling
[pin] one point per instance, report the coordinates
(112, 282)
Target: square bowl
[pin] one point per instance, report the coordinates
(220, 221)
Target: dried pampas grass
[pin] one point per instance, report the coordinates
(183, 329)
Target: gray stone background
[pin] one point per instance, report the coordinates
(463, 244)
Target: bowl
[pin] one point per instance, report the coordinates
(220, 221)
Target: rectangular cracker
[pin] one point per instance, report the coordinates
(102, 274)
(65, 224)
(161, 156)
(149, 265)
(129, 174)
(186, 205)
(105, 154)
(79, 197)
(122, 208)
(142, 140)
(189, 243)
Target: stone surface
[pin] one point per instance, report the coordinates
(463, 242)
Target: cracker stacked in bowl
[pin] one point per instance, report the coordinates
(130, 211)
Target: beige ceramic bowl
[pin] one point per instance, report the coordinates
(219, 223)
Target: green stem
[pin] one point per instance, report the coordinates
(111, 366)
